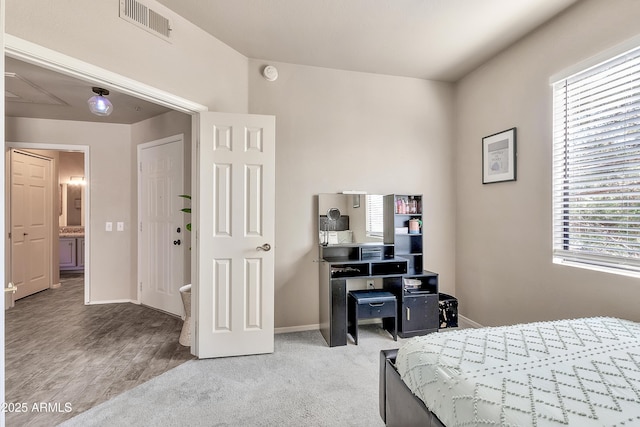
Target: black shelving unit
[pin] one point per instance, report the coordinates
(403, 228)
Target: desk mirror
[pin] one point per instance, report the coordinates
(345, 219)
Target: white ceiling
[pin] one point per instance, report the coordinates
(429, 39)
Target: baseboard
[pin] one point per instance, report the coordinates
(287, 329)
(464, 322)
(315, 327)
(114, 301)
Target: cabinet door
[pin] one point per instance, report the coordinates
(420, 313)
(80, 251)
(67, 253)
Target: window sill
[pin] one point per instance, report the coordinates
(600, 268)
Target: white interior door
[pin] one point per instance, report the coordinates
(31, 218)
(235, 214)
(161, 231)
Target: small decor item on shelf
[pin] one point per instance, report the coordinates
(414, 226)
(410, 284)
(412, 205)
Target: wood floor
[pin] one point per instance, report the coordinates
(71, 357)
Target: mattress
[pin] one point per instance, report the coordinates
(578, 372)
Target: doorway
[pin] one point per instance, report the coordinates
(80, 169)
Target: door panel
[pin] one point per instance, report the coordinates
(31, 213)
(235, 217)
(162, 246)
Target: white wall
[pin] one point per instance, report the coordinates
(339, 130)
(111, 188)
(195, 65)
(503, 263)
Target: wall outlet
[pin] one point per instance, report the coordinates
(108, 226)
(120, 226)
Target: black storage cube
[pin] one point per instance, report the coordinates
(448, 311)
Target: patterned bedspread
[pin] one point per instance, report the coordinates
(581, 372)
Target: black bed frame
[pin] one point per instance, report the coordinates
(398, 405)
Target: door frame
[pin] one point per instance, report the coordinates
(35, 54)
(84, 149)
(140, 147)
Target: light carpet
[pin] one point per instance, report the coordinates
(303, 383)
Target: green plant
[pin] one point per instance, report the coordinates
(186, 210)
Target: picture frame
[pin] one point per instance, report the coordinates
(499, 156)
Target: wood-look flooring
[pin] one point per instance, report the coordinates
(72, 356)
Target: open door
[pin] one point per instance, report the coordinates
(31, 213)
(234, 207)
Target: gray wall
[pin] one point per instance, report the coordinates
(111, 185)
(113, 189)
(338, 130)
(504, 271)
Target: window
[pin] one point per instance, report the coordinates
(375, 221)
(596, 166)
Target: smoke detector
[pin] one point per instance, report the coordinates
(270, 73)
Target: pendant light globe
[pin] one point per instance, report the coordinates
(98, 104)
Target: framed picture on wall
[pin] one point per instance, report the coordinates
(499, 157)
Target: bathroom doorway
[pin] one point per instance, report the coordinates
(67, 205)
(71, 216)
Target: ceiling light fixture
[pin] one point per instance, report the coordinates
(98, 104)
(76, 180)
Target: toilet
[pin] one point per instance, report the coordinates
(185, 334)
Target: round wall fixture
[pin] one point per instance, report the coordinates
(270, 73)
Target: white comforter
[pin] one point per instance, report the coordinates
(582, 372)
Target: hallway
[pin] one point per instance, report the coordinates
(71, 356)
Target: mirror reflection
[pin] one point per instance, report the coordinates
(72, 189)
(71, 205)
(350, 218)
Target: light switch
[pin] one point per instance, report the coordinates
(120, 226)
(108, 226)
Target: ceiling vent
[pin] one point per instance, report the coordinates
(142, 16)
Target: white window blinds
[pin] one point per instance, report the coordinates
(596, 165)
(375, 223)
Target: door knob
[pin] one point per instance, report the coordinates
(177, 242)
(266, 247)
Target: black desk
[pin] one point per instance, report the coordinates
(340, 263)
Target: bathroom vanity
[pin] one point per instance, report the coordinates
(71, 248)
